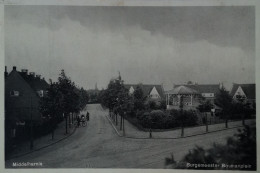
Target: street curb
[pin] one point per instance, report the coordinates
(173, 137)
(186, 136)
(17, 156)
(114, 126)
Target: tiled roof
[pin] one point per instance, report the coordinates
(249, 90)
(202, 88)
(35, 82)
(183, 90)
(147, 88)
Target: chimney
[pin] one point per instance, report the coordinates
(32, 74)
(6, 73)
(24, 72)
(14, 68)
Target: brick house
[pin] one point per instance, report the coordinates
(22, 95)
(151, 92)
(247, 91)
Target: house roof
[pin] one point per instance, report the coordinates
(147, 88)
(35, 82)
(202, 88)
(183, 90)
(249, 90)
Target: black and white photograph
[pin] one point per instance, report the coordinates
(130, 87)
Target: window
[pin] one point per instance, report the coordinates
(40, 93)
(14, 93)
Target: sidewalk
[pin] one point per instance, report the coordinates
(42, 142)
(132, 132)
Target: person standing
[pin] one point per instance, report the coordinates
(87, 117)
(78, 120)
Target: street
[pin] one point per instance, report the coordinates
(98, 146)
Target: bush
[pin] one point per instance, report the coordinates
(238, 150)
(157, 119)
(187, 117)
(145, 120)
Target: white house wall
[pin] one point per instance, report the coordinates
(239, 92)
(154, 93)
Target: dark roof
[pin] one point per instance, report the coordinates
(202, 88)
(249, 90)
(183, 90)
(147, 88)
(35, 82)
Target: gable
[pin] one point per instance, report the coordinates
(18, 107)
(131, 90)
(248, 90)
(239, 92)
(147, 89)
(154, 93)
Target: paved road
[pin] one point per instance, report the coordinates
(98, 146)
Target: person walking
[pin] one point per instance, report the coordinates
(78, 120)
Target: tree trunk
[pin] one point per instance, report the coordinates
(69, 121)
(121, 119)
(226, 123)
(243, 119)
(123, 125)
(66, 124)
(52, 134)
(31, 141)
(206, 121)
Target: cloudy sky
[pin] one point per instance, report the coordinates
(153, 45)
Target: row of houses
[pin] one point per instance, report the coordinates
(23, 91)
(192, 93)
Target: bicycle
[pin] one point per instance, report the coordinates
(82, 123)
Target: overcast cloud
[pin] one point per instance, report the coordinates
(146, 44)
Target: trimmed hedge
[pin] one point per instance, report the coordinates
(158, 119)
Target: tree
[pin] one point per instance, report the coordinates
(224, 100)
(62, 99)
(83, 97)
(205, 107)
(50, 106)
(69, 98)
(238, 150)
(138, 98)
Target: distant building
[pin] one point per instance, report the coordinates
(22, 95)
(191, 95)
(151, 92)
(93, 94)
(246, 91)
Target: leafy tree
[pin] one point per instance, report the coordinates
(62, 98)
(224, 100)
(69, 98)
(50, 106)
(238, 150)
(205, 106)
(83, 97)
(138, 98)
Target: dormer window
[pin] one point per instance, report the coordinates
(14, 93)
(40, 93)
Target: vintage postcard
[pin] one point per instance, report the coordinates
(129, 85)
